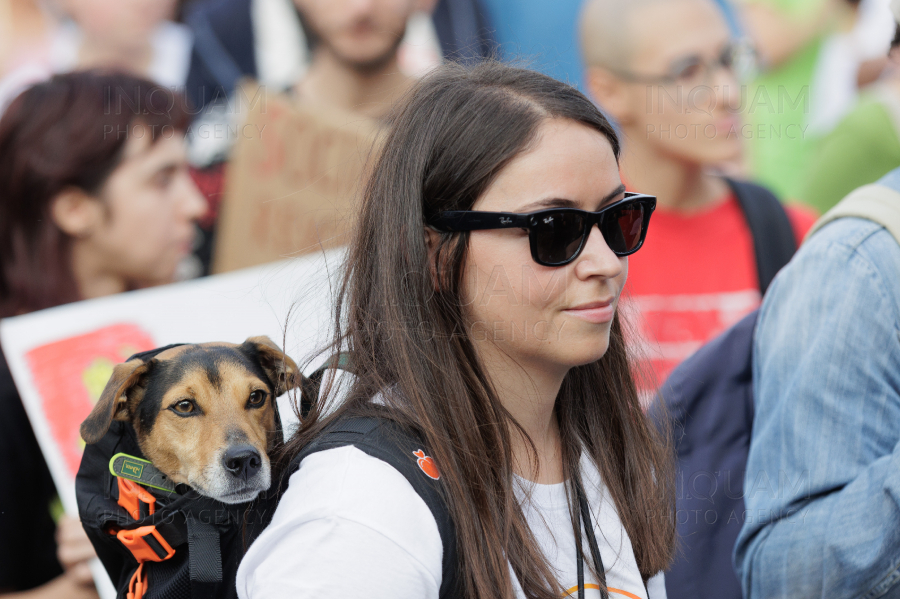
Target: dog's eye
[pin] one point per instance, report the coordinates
(257, 398)
(184, 407)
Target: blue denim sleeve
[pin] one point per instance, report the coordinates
(822, 487)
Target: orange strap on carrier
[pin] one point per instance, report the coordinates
(145, 543)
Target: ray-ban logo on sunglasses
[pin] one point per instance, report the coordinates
(505, 220)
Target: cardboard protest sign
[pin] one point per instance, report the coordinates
(290, 189)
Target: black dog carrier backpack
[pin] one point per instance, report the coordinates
(158, 540)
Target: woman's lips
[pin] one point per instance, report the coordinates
(594, 312)
(185, 247)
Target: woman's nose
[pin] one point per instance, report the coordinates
(597, 259)
(726, 89)
(193, 204)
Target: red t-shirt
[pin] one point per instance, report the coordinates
(694, 277)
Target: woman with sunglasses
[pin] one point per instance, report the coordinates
(479, 311)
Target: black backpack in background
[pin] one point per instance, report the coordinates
(774, 243)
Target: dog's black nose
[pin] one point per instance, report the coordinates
(242, 461)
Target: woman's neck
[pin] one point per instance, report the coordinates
(329, 81)
(91, 278)
(677, 185)
(529, 395)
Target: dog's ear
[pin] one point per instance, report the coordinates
(278, 366)
(113, 403)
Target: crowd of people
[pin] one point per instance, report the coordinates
(743, 122)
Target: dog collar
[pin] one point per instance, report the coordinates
(140, 471)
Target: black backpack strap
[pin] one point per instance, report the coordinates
(205, 553)
(773, 236)
(385, 440)
(312, 384)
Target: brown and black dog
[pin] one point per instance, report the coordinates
(203, 414)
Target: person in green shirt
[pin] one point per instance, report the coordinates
(863, 147)
(788, 35)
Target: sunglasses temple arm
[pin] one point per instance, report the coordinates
(456, 221)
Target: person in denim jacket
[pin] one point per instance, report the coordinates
(822, 488)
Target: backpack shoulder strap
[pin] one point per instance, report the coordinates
(774, 243)
(312, 384)
(383, 439)
(873, 202)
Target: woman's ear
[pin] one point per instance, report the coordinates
(75, 212)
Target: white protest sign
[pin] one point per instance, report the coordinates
(61, 358)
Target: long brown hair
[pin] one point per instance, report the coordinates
(67, 132)
(408, 336)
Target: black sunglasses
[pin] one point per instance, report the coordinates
(558, 235)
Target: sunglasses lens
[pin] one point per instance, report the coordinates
(558, 236)
(622, 228)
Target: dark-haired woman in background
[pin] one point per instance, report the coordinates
(95, 199)
(491, 335)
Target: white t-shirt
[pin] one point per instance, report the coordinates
(349, 525)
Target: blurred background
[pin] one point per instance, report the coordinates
(147, 142)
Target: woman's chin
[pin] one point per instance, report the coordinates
(580, 356)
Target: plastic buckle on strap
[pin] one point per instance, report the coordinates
(146, 544)
(131, 495)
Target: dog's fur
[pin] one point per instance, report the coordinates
(203, 414)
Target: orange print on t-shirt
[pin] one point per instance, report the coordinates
(612, 592)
